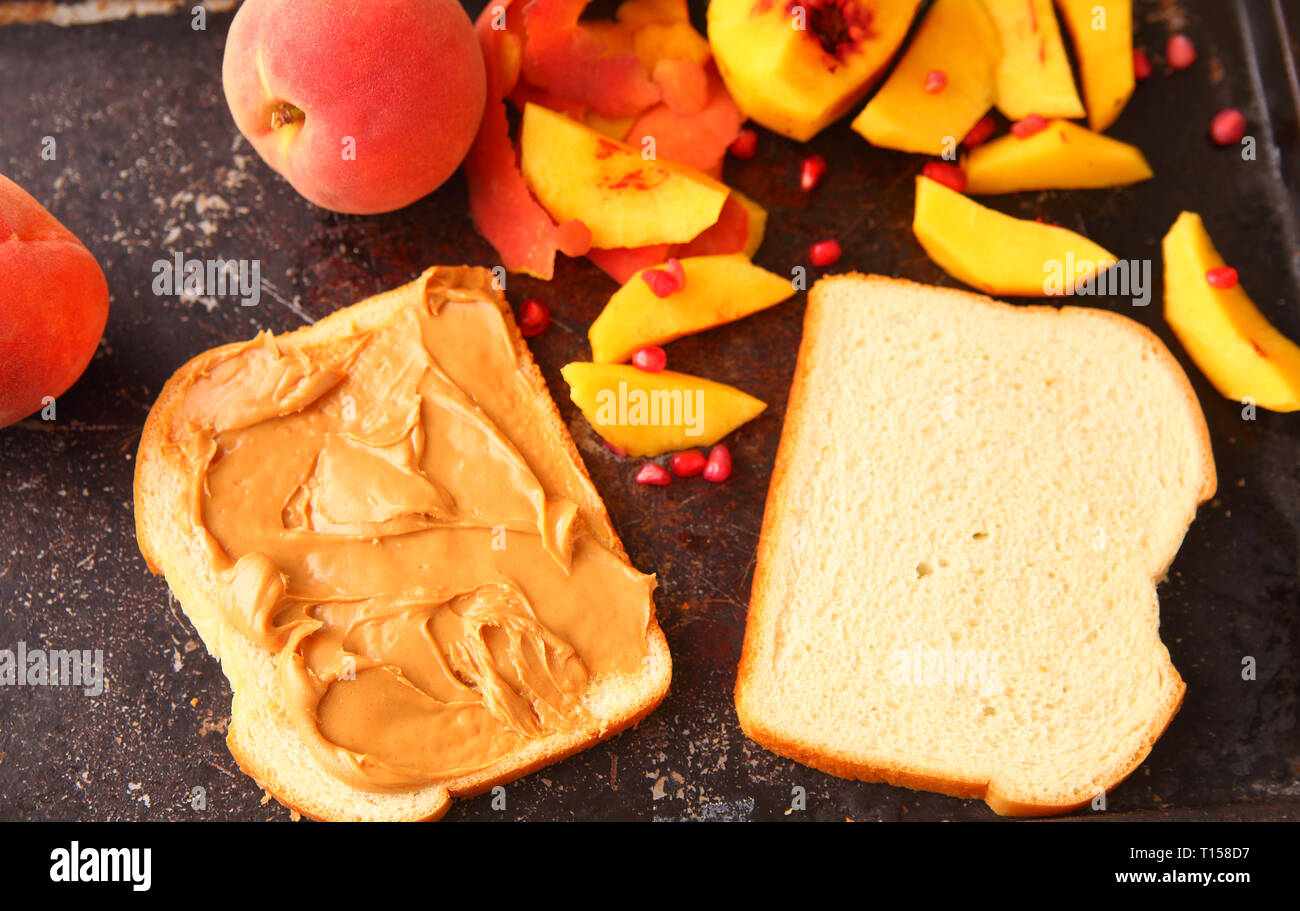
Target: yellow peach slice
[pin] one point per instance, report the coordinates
(1102, 32)
(999, 254)
(1034, 73)
(623, 198)
(757, 223)
(795, 68)
(1062, 156)
(670, 41)
(1234, 345)
(718, 290)
(613, 127)
(648, 414)
(958, 38)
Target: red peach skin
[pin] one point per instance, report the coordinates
(53, 305)
(404, 79)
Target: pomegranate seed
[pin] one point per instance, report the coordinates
(1029, 126)
(653, 473)
(947, 174)
(1228, 127)
(718, 467)
(1180, 52)
(1222, 277)
(674, 268)
(614, 448)
(660, 281)
(981, 133)
(936, 81)
(1141, 64)
(824, 253)
(688, 464)
(812, 172)
(534, 317)
(651, 359)
(744, 145)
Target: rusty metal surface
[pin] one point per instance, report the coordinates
(149, 164)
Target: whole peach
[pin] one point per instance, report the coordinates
(53, 305)
(364, 106)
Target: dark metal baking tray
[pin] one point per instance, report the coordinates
(149, 163)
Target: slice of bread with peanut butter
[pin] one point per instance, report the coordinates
(381, 527)
(971, 507)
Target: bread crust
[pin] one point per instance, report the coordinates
(774, 514)
(162, 529)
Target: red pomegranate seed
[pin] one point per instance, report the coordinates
(1180, 52)
(812, 172)
(674, 268)
(534, 317)
(981, 133)
(1032, 124)
(688, 464)
(824, 252)
(1141, 64)
(651, 359)
(947, 174)
(745, 144)
(1222, 277)
(936, 81)
(660, 281)
(617, 450)
(718, 466)
(1228, 127)
(653, 473)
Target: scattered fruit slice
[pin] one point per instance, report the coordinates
(625, 200)
(1231, 341)
(685, 86)
(718, 290)
(996, 253)
(1063, 156)
(648, 414)
(1102, 32)
(958, 37)
(566, 59)
(503, 210)
(613, 127)
(795, 80)
(658, 41)
(525, 93)
(623, 263)
(739, 229)
(699, 140)
(1033, 76)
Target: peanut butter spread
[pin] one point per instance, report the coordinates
(391, 512)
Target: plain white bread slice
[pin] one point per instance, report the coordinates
(972, 505)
